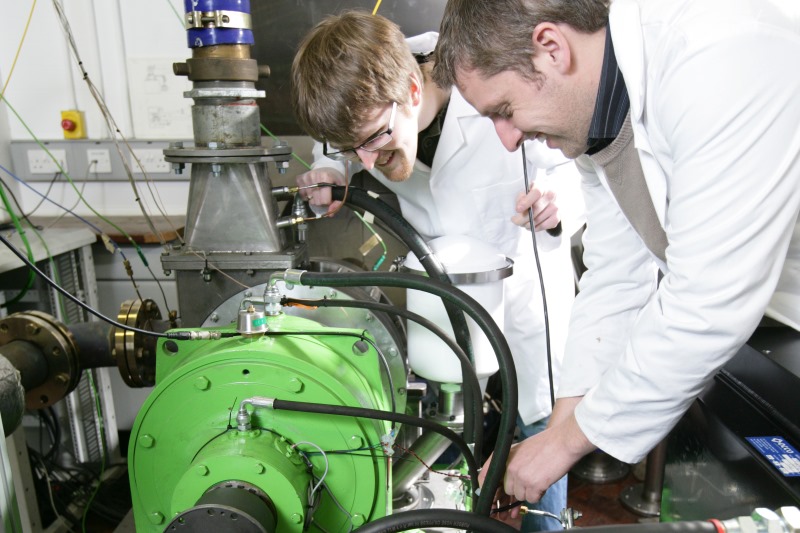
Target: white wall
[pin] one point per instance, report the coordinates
(128, 49)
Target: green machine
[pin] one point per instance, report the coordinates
(208, 448)
(271, 418)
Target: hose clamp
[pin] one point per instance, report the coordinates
(218, 19)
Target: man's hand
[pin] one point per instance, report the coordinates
(320, 196)
(545, 210)
(542, 459)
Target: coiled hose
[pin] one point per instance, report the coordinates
(464, 302)
(355, 197)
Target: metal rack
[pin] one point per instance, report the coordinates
(92, 437)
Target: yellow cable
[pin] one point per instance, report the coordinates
(377, 5)
(19, 48)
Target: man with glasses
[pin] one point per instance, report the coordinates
(360, 92)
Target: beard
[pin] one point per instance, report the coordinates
(399, 168)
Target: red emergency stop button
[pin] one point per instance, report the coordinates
(68, 125)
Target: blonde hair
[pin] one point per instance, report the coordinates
(347, 66)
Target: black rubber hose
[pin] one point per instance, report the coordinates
(95, 348)
(498, 342)
(430, 518)
(470, 379)
(694, 526)
(355, 197)
(375, 414)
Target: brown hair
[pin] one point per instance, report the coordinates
(346, 67)
(494, 36)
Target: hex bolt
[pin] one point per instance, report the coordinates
(297, 518)
(32, 329)
(359, 520)
(295, 385)
(155, 518)
(260, 469)
(201, 470)
(56, 351)
(147, 441)
(202, 383)
(356, 442)
(214, 317)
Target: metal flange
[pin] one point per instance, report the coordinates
(58, 347)
(135, 352)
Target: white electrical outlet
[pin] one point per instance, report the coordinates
(40, 162)
(99, 161)
(152, 160)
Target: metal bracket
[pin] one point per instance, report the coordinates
(218, 19)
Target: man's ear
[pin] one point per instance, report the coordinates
(415, 86)
(552, 49)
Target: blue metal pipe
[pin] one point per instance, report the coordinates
(198, 37)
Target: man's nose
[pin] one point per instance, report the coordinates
(510, 136)
(367, 158)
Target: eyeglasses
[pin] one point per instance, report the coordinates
(374, 143)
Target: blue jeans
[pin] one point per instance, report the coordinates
(553, 501)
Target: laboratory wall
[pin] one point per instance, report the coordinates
(127, 49)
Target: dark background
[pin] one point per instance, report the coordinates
(279, 25)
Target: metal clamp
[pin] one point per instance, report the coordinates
(218, 19)
(476, 277)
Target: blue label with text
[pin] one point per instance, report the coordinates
(778, 452)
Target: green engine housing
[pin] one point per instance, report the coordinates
(185, 443)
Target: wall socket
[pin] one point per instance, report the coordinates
(99, 160)
(92, 160)
(40, 162)
(152, 160)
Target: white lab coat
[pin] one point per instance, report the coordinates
(715, 114)
(471, 190)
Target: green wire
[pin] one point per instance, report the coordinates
(21, 231)
(180, 19)
(263, 127)
(90, 376)
(135, 245)
(382, 258)
(54, 268)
